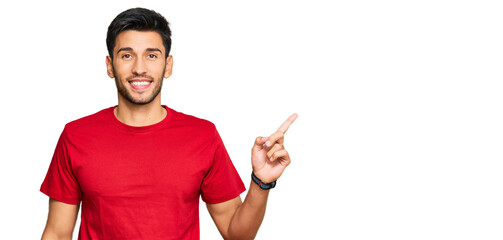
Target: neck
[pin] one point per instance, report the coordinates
(140, 115)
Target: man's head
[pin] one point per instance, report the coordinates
(139, 19)
(138, 42)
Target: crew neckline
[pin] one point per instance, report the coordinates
(141, 129)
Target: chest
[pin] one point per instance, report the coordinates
(140, 167)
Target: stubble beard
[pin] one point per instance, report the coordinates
(127, 95)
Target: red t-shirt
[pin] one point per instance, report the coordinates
(141, 182)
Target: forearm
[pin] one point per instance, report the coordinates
(247, 219)
(48, 235)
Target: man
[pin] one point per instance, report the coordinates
(140, 167)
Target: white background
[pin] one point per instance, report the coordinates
(400, 126)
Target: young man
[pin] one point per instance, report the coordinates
(140, 167)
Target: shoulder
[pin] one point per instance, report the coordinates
(89, 123)
(179, 118)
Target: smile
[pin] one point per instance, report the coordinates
(139, 85)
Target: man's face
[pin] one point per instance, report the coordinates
(139, 66)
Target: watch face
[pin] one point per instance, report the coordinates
(267, 186)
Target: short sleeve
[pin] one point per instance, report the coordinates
(222, 182)
(60, 182)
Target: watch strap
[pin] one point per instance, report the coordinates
(262, 185)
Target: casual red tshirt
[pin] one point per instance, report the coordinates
(141, 182)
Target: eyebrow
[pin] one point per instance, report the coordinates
(124, 49)
(148, 50)
(154, 50)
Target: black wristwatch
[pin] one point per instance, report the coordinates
(262, 185)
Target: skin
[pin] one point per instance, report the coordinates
(140, 55)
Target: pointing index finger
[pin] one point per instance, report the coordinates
(287, 123)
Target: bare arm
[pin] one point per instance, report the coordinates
(61, 220)
(236, 220)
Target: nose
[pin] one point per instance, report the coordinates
(139, 67)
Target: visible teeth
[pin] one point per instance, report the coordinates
(140, 83)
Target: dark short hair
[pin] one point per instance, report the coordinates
(139, 19)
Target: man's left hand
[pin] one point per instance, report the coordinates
(269, 156)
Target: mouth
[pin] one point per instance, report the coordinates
(140, 84)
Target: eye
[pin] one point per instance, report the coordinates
(126, 56)
(152, 56)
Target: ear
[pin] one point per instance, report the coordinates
(110, 70)
(169, 66)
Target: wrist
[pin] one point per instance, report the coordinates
(263, 175)
(262, 184)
